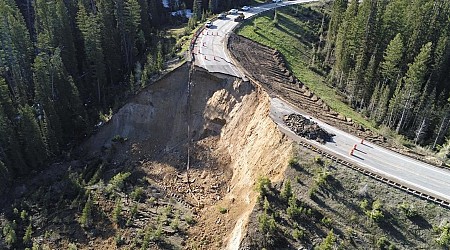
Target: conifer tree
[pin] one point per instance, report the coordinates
(15, 51)
(32, 143)
(390, 68)
(337, 16)
(413, 81)
(91, 31)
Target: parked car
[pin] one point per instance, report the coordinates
(245, 8)
(208, 24)
(233, 12)
(277, 1)
(222, 16)
(240, 17)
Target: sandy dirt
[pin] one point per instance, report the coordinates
(233, 142)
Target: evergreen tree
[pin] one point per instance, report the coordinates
(54, 31)
(413, 81)
(344, 46)
(15, 51)
(91, 31)
(110, 41)
(337, 16)
(32, 143)
(390, 68)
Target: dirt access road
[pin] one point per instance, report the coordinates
(211, 54)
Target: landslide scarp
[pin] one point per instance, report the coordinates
(129, 186)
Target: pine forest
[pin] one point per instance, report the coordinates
(390, 59)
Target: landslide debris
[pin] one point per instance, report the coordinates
(306, 128)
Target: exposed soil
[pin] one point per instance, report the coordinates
(232, 141)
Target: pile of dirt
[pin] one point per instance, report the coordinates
(306, 128)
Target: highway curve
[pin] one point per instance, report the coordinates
(210, 52)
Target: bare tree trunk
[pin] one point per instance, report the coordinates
(420, 130)
(443, 127)
(405, 108)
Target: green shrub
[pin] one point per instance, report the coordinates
(72, 246)
(117, 211)
(318, 160)
(86, 216)
(137, 193)
(27, 235)
(119, 240)
(382, 242)
(267, 223)
(263, 185)
(364, 204)
(298, 234)
(293, 163)
(117, 182)
(376, 214)
(408, 209)
(312, 191)
(321, 178)
(266, 205)
(286, 193)
(189, 219)
(9, 233)
(23, 215)
(120, 139)
(444, 237)
(293, 210)
(168, 210)
(326, 221)
(175, 223)
(223, 210)
(328, 242)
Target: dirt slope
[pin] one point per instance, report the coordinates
(233, 142)
(256, 148)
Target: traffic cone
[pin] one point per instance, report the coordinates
(362, 141)
(205, 58)
(354, 147)
(351, 152)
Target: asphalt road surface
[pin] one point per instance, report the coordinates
(210, 53)
(210, 47)
(396, 167)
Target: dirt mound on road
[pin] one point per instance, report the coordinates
(306, 128)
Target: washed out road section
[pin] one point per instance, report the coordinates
(210, 47)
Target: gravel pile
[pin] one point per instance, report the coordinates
(306, 128)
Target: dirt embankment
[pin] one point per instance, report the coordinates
(256, 148)
(233, 142)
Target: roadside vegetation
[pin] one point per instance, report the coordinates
(88, 205)
(346, 210)
(292, 32)
(392, 81)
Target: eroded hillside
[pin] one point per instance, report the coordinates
(134, 191)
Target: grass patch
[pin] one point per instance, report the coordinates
(296, 29)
